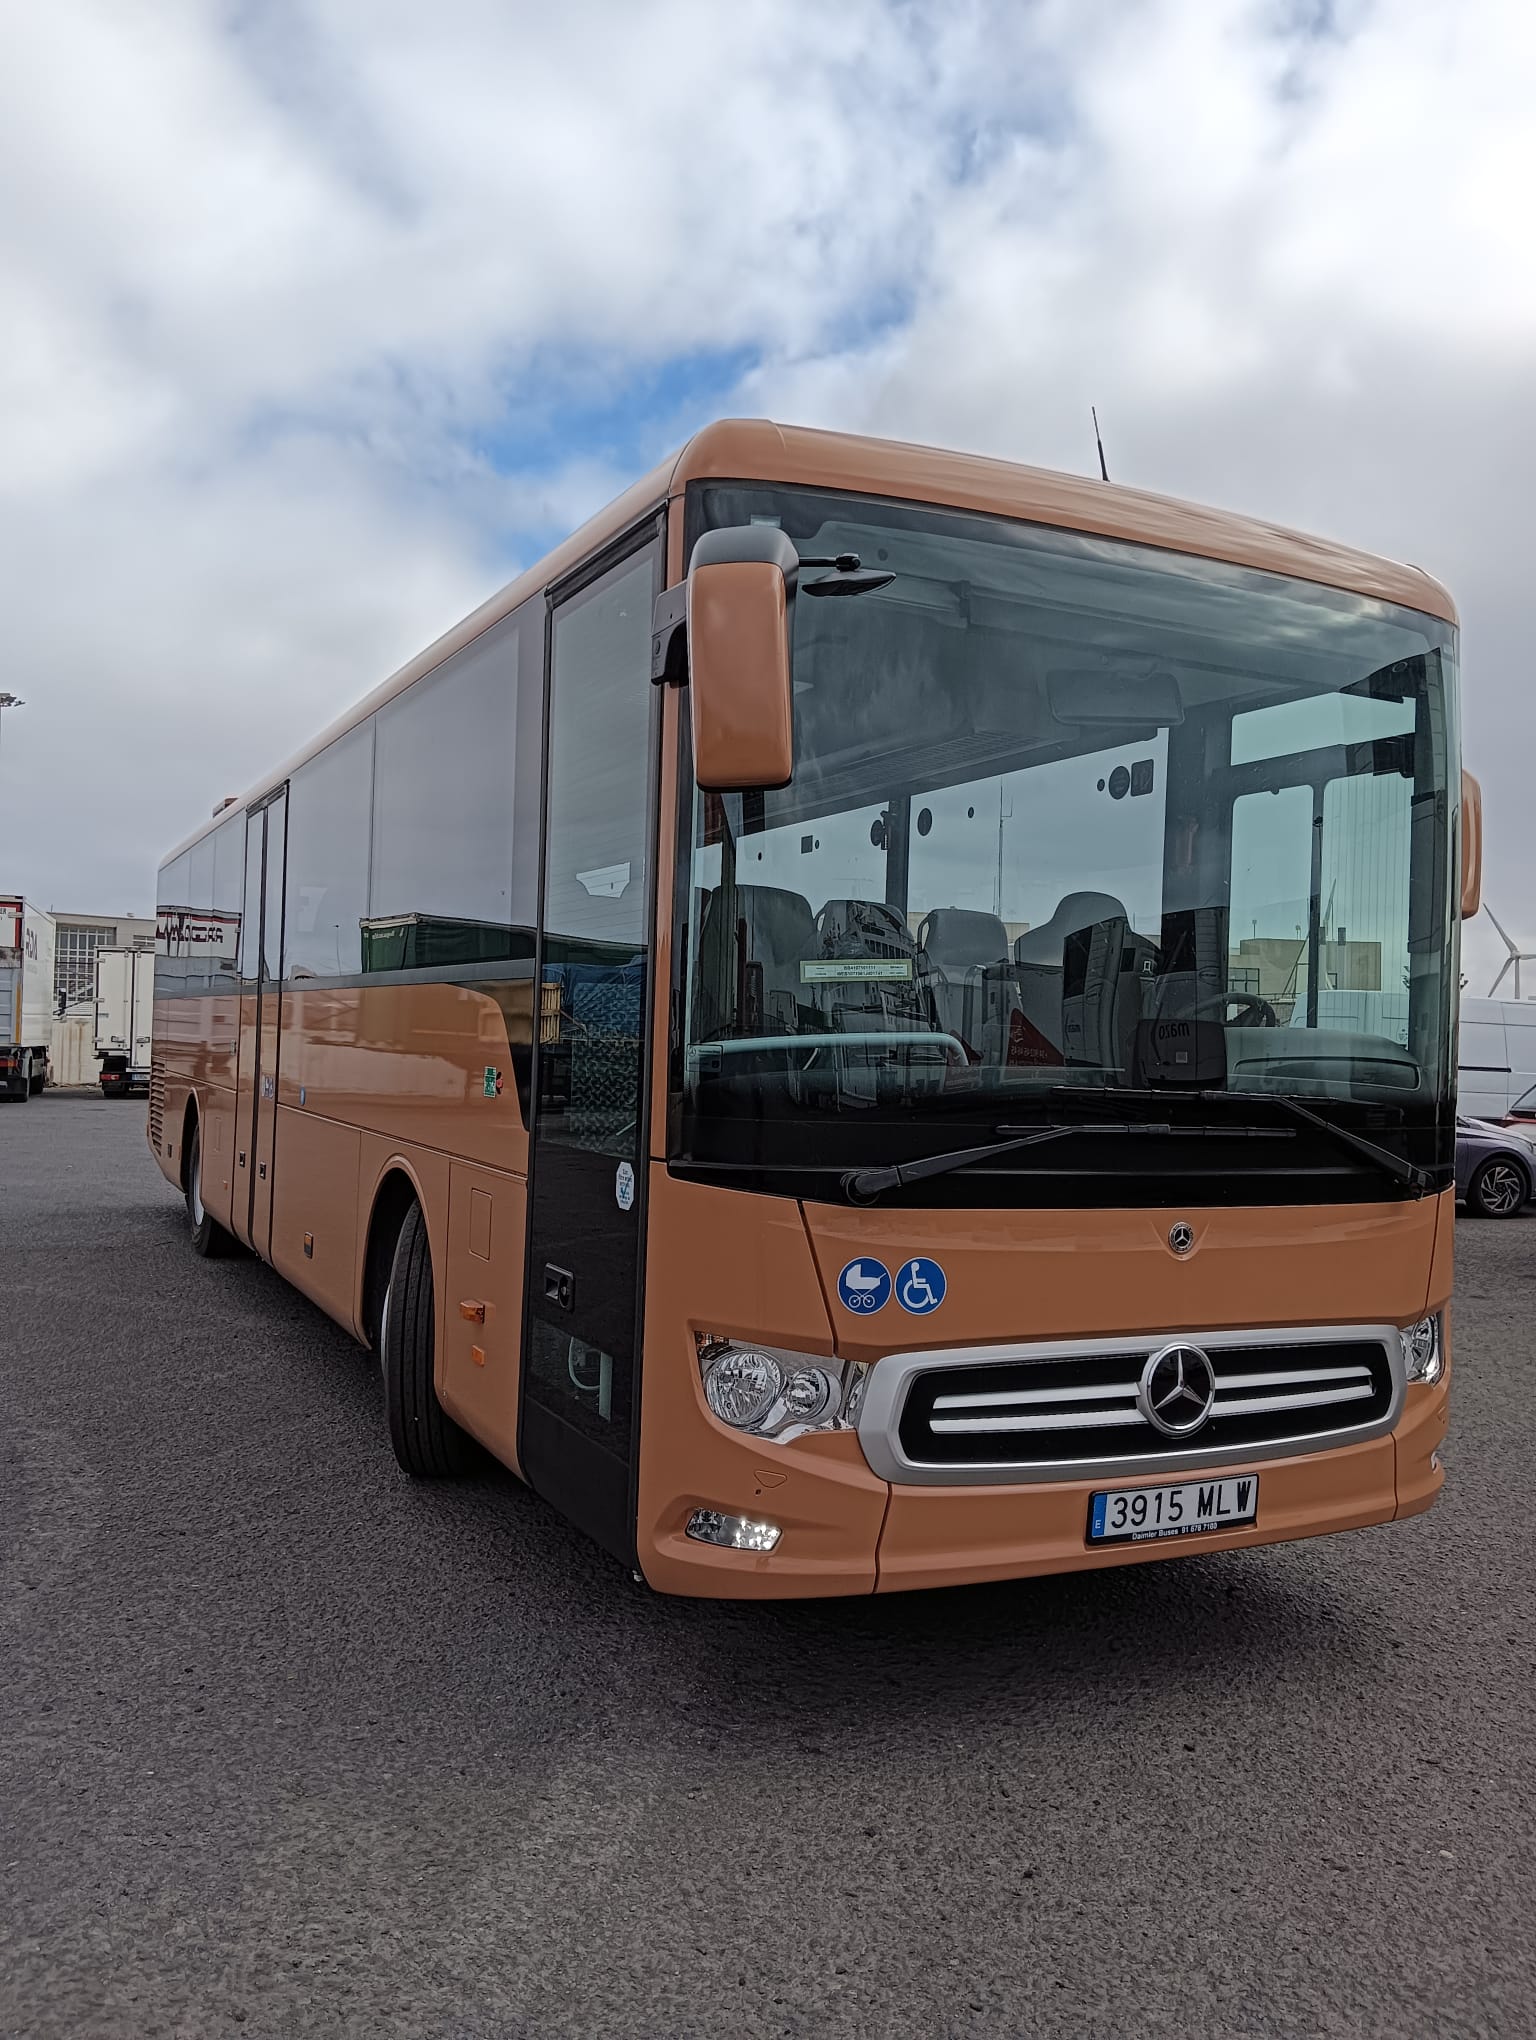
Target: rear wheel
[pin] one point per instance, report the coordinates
(208, 1237)
(39, 1079)
(1498, 1189)
(426, 1440)
(23, 1087)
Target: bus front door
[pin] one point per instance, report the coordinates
(261, 972)
(581, 1359)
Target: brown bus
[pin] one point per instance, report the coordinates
(879, 1018)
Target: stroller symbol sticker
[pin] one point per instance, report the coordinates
(864, 1287)
(920, 1286)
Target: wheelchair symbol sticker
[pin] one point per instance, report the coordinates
(864, 1287)
(920, 1286)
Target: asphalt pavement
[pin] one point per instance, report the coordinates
(289, 1745)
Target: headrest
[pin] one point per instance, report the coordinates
(960, 935)
(780, 927)
(1078, 910)
(862, 928)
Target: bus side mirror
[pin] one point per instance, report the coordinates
(736, 605)
(738, 656)
(1471, 846)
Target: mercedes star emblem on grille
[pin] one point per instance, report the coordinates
(1181, 1237)
(1176, 1390)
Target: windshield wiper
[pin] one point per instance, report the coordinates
(863, 1186)
(1418, 1179)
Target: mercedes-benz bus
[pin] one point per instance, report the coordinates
(880, 1018)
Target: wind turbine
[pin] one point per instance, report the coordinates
(1514, 959)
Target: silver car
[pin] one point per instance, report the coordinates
(1495, 1169)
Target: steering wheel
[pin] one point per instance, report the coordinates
(1256, 1012)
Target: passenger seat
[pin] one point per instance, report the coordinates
(965, 954)
(869, 929)
(1077, 1010)
(781, 934)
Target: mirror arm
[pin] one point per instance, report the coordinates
(669, 637)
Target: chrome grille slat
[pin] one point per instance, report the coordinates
(1009, 1396)
(1298, 1376)
(1047, 1420)
(1257, 1405)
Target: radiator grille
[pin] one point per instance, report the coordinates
(1058, 1411)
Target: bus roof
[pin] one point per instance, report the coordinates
(755, 449)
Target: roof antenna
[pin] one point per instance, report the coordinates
(1098, 442)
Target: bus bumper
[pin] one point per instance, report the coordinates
(838, 1536)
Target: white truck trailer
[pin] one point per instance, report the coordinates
(125, 1018)
(26, 997)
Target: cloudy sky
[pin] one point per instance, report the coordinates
(321, 317)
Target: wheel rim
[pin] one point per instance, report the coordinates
(197, 1184)
(389, 1290)
(1503, 1189)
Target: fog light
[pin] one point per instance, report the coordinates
(736, 1533)
(1423, 1358)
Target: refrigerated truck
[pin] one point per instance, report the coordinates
(26, 996)
(125, 1018)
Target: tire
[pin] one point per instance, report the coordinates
(1498, 1189)
(208, 1237)
(426, 1440)
(40, 1081)
(24, 1090)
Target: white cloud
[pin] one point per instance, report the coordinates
(284, 288)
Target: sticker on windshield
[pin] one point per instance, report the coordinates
(920, 1286)
(864, 1287)
(624, 1186)
(856, 970)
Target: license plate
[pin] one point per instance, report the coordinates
(1130, 1515)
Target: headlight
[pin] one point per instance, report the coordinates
(774, 1394)
(1423, 1353)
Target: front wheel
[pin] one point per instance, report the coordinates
(208, 1237)
(1498, 1189)
(426, 1440)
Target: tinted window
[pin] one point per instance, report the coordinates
(172, 889)
(595, 886)
(250, 927)
(447, 888)
(200, 881)
(170, 946)
(228, 882)
(272, 911)
(228, 864)
(331, 800)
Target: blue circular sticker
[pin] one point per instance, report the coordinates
(864, 1287)
(920, 1286)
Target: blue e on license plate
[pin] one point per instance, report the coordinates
(1130, 1515)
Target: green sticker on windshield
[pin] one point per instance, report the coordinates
(852, 970)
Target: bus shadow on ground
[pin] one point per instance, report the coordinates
(1260, 1619)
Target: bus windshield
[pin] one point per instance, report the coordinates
(1071, 817)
